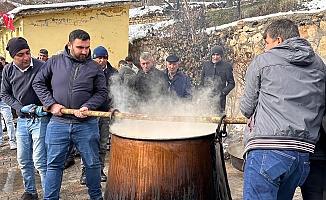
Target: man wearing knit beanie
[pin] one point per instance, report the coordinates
(31, 152)
(100, 51)
(15, 45)
(217, 79)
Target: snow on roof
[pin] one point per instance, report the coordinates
(67, 4)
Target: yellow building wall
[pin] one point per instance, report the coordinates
(6, 34)
(108, 27)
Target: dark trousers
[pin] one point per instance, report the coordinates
(104, 127)
(314, 188)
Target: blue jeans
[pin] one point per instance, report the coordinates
(31, 150)
(5, 111)
(274, 174)
(104, 130)
(60, 138)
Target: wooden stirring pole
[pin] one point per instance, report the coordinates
(200, 119)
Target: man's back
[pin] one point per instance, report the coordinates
(290, 80)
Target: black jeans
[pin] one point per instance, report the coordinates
(104, 126)
(314, 188)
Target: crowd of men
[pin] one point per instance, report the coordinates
(46, 140)
(284, 100)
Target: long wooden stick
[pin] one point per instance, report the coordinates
(202, 119)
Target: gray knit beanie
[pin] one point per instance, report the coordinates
(217, 49)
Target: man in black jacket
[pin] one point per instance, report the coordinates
(149, 83)
(72, 80)
(100, 55)
(217, 77)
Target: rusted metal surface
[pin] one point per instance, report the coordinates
(202, 119)
(174, 169)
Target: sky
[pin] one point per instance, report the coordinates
(140, 30)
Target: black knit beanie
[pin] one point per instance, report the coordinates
(15, 45)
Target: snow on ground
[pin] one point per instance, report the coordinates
(316, 5)
(145, 10)
(140, 30)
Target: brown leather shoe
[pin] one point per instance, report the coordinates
(28, 196)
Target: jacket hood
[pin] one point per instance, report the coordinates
(296, 51)
(67, 53)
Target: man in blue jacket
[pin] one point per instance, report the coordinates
(72, 80)
(17, 92)
(179, 83)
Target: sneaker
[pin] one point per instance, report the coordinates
(2, 143)
(13, 145)
(82, 180)
(28, 196)
(103, 176)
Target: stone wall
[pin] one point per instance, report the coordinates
(245, 40)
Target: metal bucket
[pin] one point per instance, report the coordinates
(161, 160)
(236, 152)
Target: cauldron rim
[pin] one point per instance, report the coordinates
(162, 137)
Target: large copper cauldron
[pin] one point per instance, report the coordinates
(161, 160)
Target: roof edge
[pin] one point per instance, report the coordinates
(72, 5)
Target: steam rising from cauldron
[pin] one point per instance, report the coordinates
(126, 100)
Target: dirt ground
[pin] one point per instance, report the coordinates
(11, 184)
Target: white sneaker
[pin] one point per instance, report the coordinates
(13, 145)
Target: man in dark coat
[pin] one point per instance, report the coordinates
(101, 55)
(149, 83)
(217, 76)
(179, 83)
(72, 80)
